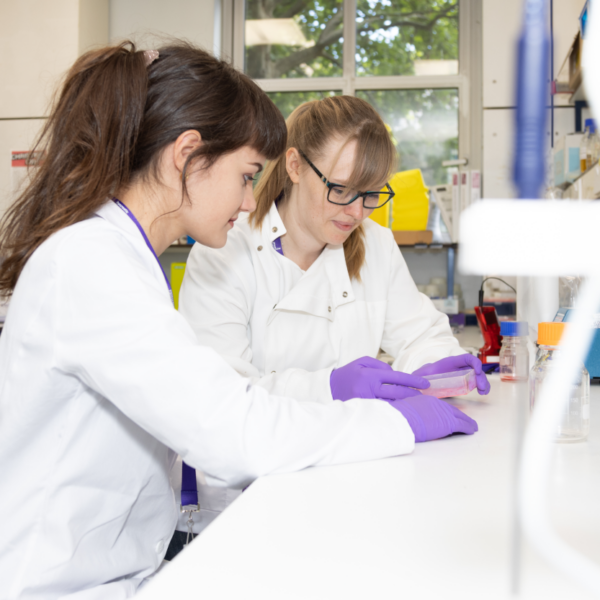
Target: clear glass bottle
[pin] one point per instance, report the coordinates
(583, 148)
(575, 422)
(514, 354)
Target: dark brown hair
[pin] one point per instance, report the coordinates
(310, 127)
(109, 124)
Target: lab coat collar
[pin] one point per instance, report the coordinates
(325, 286)
(273, 226)
(115, 216)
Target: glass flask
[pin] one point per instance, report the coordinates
(514, 355)
(575, 421)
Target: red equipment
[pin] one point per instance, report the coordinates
(490, 329)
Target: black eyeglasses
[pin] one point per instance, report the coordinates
(340, 194)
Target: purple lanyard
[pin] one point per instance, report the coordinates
(277, 245)
(189, 487)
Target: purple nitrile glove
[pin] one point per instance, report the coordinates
(458, 363)
(431, 418)
(368, 377)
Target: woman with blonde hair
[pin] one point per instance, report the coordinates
(307, 289)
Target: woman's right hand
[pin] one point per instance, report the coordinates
(368, 377)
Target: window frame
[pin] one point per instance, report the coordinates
(468, 81)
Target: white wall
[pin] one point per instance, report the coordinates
(501, 28)
(141, 20)
(39, 41)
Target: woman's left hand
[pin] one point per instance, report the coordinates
(458, 363)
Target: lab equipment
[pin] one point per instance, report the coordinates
(446, 385)
(532, 92)
(514, 354)
(592, 360)
(567, 166)
(575, 421)
(487, 319)
(462, 362)
(368, 377)
(531, 224)
(431, 418)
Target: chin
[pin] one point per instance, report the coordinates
(337, 238)
(213, 241)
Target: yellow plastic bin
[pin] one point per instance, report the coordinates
(410, 208)
(383, 215)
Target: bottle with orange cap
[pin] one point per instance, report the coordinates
(575, 423)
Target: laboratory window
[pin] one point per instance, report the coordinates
(411, 59)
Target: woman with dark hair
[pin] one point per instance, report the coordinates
(102, 381)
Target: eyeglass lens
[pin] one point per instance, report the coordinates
(342, 195)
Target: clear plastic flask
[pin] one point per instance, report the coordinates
(575, 421)
(514, 355)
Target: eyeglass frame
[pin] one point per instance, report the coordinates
(362, 195)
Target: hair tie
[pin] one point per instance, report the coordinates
(150, 56)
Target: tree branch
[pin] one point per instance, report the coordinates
(295, 8)
(405, 23)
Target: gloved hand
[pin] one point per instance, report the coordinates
(458, 363)
(368, 377)
(431, 418)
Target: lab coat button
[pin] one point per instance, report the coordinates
(345, 294)
(259, 248)
(274, 229)
(329, 308)
(272, 372)
(160, 546)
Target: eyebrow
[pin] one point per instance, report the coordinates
(258, 166)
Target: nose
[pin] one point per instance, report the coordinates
(249, 203)
(355, 210)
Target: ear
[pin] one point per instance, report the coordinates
(292, 164)
(184, 145)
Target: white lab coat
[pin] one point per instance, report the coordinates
(99, 378)
(287, 330)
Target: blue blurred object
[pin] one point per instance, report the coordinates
(514, 328)
(583, 19)
(533, 88)
(592, 361)
(191, 241)
(591, 125)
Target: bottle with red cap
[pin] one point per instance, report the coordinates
(575, 422)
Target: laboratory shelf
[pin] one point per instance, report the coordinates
(450, 248)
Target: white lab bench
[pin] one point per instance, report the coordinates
(433, 524)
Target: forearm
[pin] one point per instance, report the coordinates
(306, 386)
